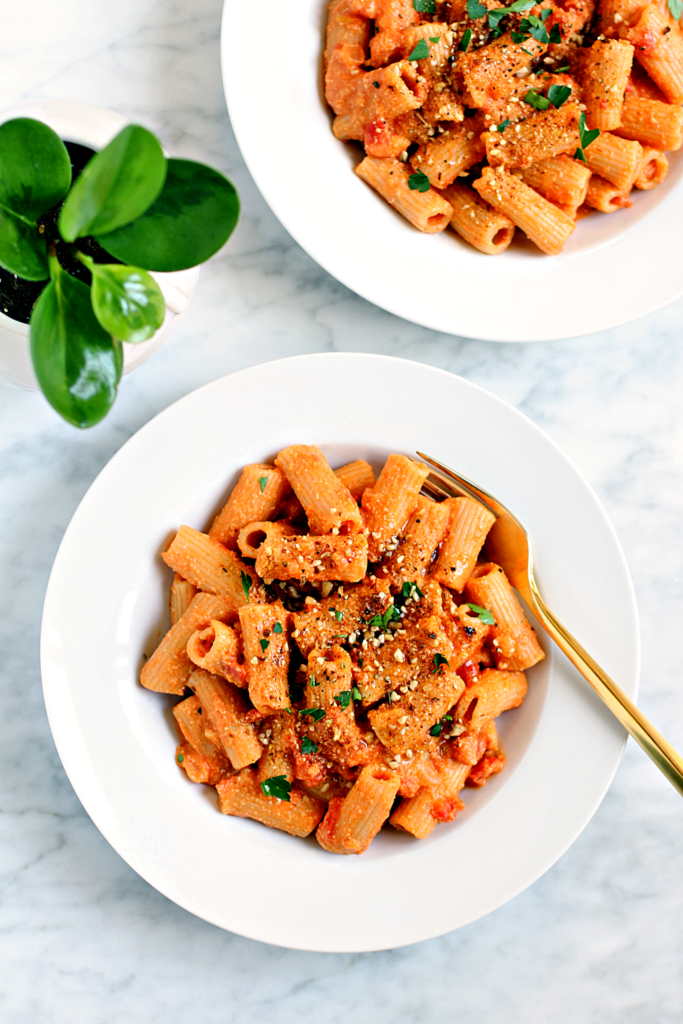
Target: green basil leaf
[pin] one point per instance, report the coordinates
(675, 8)
(246, 584)
(503, 125)
(343, 699)
(559, 94)
(126, 300)
(475, 9)
(484, 614)
(467, 35)
(277, 786)
(535, 99)
(78, 365)
(117, 185)
(315, 713)
(555, 34)
(308, 746)
(420, 52)
(439, 660)
(419, 181)
(192, 218)
(425, 6)
(35, 174)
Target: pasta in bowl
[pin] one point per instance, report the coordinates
(341, 649)
(487, 118)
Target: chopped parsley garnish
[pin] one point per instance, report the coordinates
(315, 713)
(277, 628)
(484, 614)
(407, 589)
(503, 125)
(308, 746)
(535, 27)
(425, 6)
(497, 15)
(564, 68)
(312, 681)
(337, 614)
(278, 787)
(343, 699)
(675, 8)
(360, 662)
(439, 660)
(465, 41)
(419, 182)
(265, 644)
(434, 39)
(436, 729)
(382, 621)
(535, 99)
(586, 138)
(559, 94)
(356, 694)
(246, 583)
(475, 9)
(420, 52)
(181, 758)
(263, 480)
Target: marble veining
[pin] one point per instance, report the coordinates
(599, 938)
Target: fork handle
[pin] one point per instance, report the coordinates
(636, 724)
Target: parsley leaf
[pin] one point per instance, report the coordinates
(535, 99)
(565, 67)
(434, 39)
(676, 8)
(407, 588)
(337, 614)
(265, 644)
(436, 729)
(278, 787)
(277, 628)
(343, 699)
(425, 6)
(559, 94)
(419, 181)
(466, 36)
(315, 713)
(586, 138)
(356, 694)
(420, 51)
(382, 621)
(483, 613)
(263, 480)
(308, 746)
(475, 9)
(503, 125)
(246, 583)
(181, 758)
(312, 681)
(439, 660)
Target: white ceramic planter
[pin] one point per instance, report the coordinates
(93, 127)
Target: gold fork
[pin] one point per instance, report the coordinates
(509, 545)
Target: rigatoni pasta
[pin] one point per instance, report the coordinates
(345, 673)
(559, 99)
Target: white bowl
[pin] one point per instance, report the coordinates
(614, 268)
(93, 127)
(107, 603)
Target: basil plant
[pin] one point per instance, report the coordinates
(131, 207)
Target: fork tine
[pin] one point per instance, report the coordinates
(435, 491)
(453, 483)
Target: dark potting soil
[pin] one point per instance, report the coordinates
(17, 296)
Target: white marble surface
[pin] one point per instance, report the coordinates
(83, 940)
